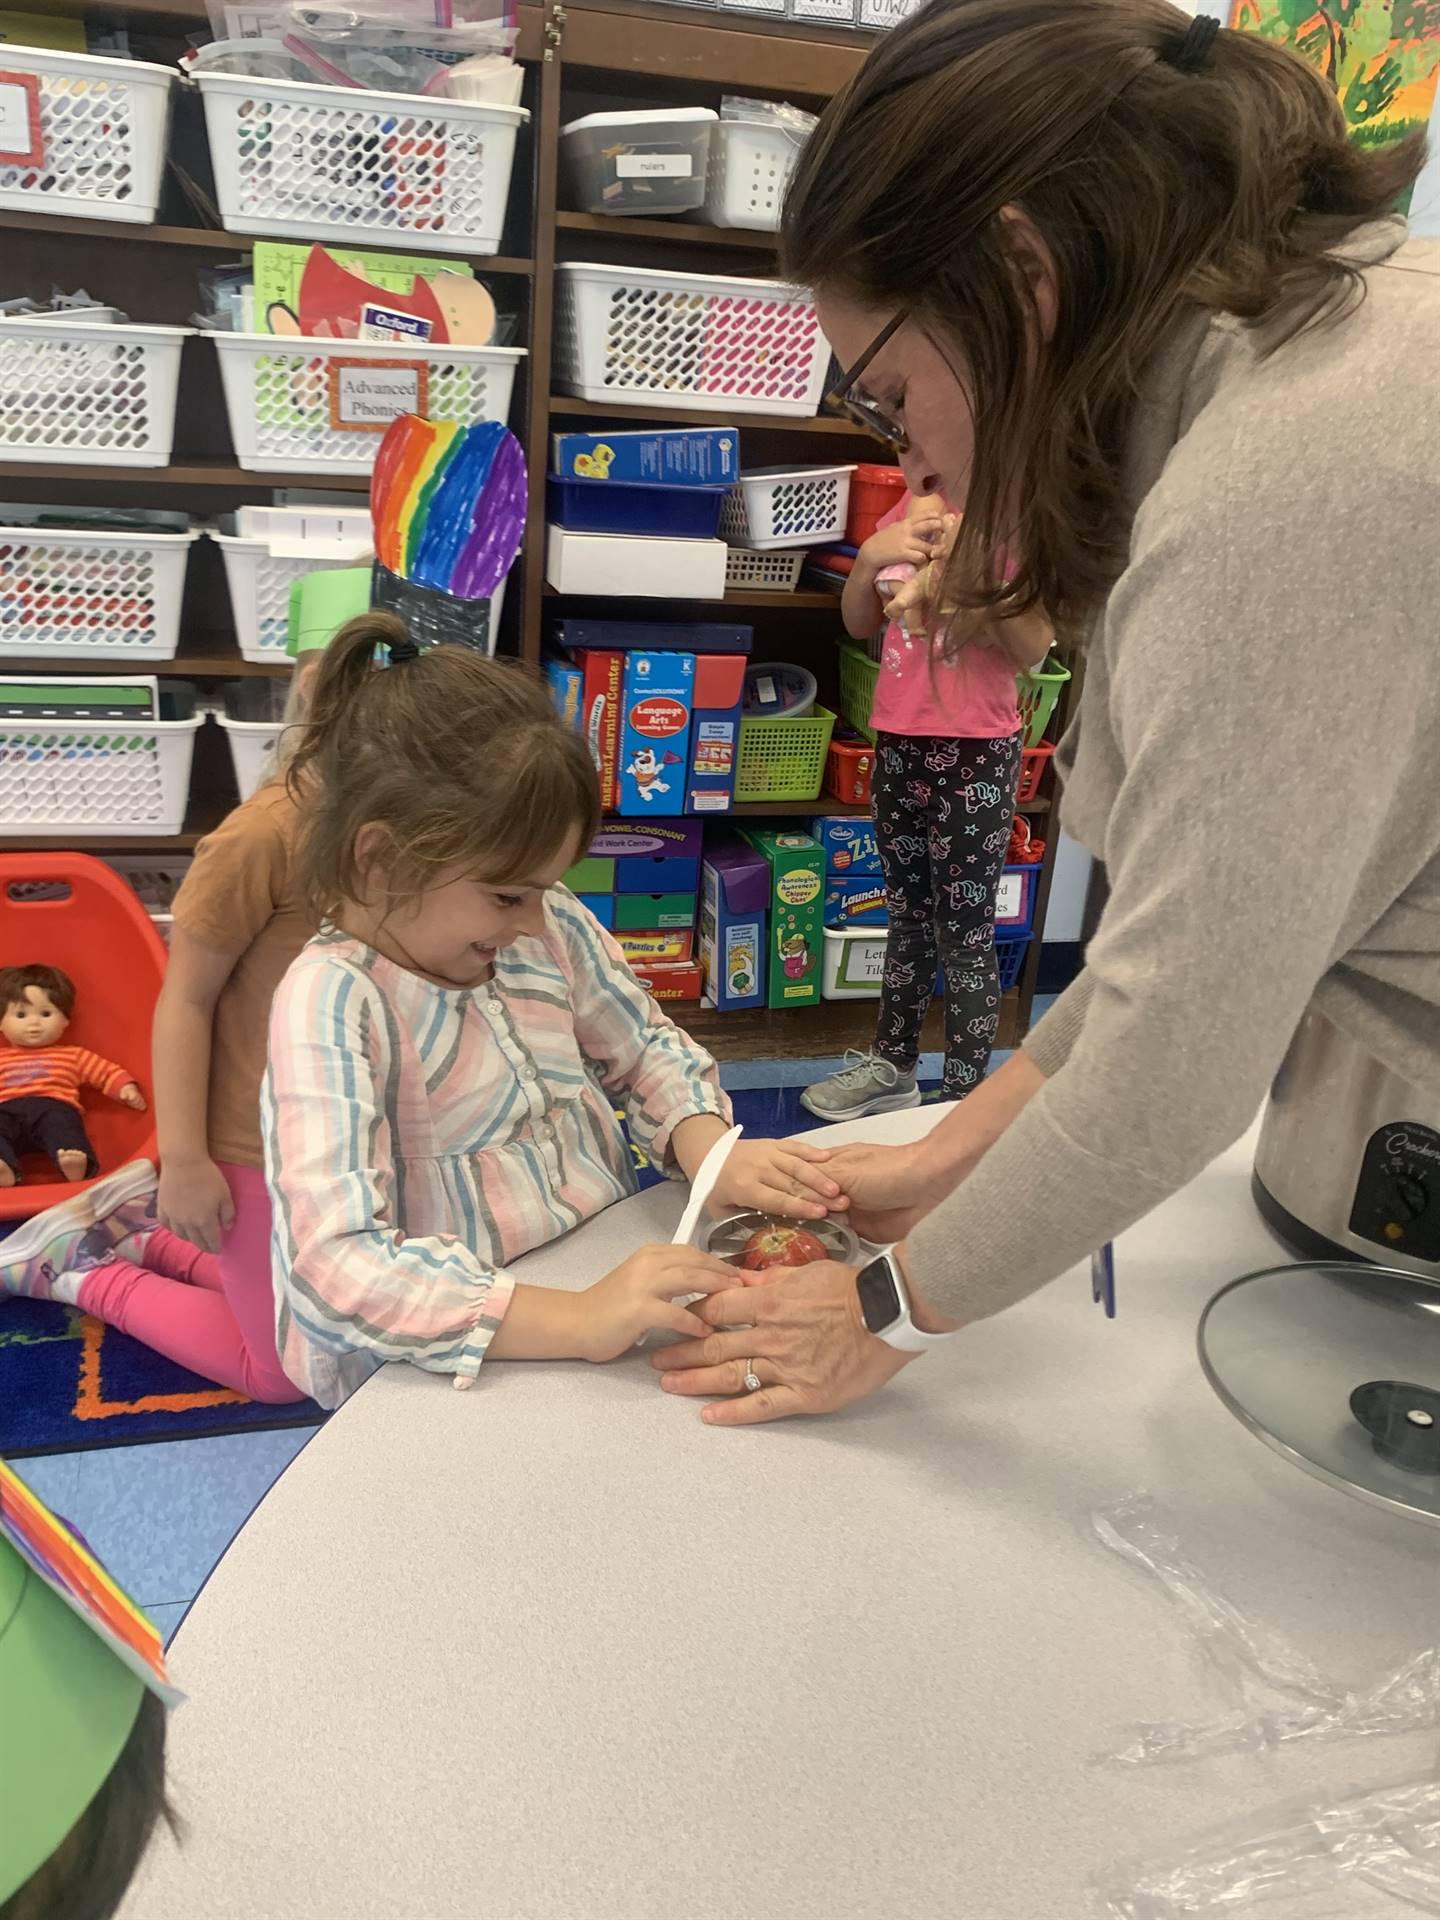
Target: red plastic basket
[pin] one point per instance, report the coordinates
(68, 911)
(874, 491)
(1033, 762)
(849, 769)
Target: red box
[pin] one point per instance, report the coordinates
(600, 718)
(849, 770)
(719, 679)
(666, 980)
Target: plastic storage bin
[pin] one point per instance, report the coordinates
(651, 162)
(777, 572)
(787, 507)
(1037, 694)
(687, 339)
(1033, 762)
(63, 777)
(858, 676)
(850, 771)
(874, 490)
(96, 395)
(303, 406)
(253, 723)
(783, 759)
(100, 154)
(294, 161)
(750, 166)
(67, 594)
(610, 506)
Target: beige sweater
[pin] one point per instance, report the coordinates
(1257, 763)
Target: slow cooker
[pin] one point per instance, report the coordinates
(1349, 1157)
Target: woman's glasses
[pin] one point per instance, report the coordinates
(846, 397)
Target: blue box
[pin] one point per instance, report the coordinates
(655, 873)
(855, 900)
(656, 706)
(849, 843)
(602, 905)
(656, 636)
(734, 932)
(676, 456)
(651, 855)
(617, 506)
(567, 686)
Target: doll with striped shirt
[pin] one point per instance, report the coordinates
(41, 1079)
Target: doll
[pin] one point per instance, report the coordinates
(40, 1080)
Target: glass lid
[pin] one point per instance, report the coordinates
(1336, 1365)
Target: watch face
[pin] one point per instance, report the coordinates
(879, 1296)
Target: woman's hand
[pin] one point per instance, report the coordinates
(194, 1202)
(803, 1336)
(776, 1176)
(639, 1297)
(889, 1189)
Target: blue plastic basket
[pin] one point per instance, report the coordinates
(611, 506)
(1009, 959)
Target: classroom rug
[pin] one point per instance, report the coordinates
(69, 1383)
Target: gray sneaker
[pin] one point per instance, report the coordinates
(865, 1084)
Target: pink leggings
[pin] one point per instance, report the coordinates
(214, 1313)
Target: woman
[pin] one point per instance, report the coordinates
(1118, 282)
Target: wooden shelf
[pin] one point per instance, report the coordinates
(566, 406)
(823, 1032)
(204, 816)
(737, 597)
(202, 658)
(793, 809)
(197, 473)
(202, 239)
(636, 37)
(688, 233)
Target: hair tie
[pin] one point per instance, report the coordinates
(400, 651)
(1192, 51)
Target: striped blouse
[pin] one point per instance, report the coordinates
(418, 1138)
(58, 1073)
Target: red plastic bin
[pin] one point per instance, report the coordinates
(1033, 762)
(849, 770)
(68, 911)
(874, 491)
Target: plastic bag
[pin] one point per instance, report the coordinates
(1389, 1839)
(794, 121)
(1245, 1652)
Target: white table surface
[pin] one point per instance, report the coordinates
(553, 1650)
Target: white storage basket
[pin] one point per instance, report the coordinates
(64, 777)
(78, 395)
(76, 595)
(279, 394)
(689, 339)
(155, 879)
(750, 166)
(294, 161)
(260, 583)
(783, 506)
(102, 137)
(252, 744)
(768, 572)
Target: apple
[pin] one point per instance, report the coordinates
(780, 1246)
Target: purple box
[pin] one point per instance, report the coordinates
(733, 924)
(652, 856)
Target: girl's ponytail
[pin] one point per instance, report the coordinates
(345, 668)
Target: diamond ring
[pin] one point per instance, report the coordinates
(752, 1379)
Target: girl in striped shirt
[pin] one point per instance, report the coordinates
(447, 1054)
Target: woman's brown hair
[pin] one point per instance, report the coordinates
(1155, 187)
(462, 760)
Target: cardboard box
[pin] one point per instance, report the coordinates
(677, 457)
(849, 843)
(855, 900)
(566, 683)
(797, 886)
(735, 900)
(652, 912)
(673, 948)
(715, 733)
(602, 905)
(667, 981)
(649, 856)
(639, 566)
(602, 675)
(652, 636)
(591, 875)
(656, 709)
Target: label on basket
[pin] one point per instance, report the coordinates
(885, 13)
(654, 166)
(1010, 897)
(366, 395)
(22, 141)
(824, 10)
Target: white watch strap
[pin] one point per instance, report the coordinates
(903, 1334)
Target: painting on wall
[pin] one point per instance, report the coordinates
(1382, 57)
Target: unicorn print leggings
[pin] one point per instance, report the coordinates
(943, 810)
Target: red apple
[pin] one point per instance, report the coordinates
(780, 1246)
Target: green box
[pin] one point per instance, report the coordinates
(797, 932)
(591, 876)
(653, 912)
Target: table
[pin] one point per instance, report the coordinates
(553, 1650)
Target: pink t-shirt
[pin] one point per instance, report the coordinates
(971, 697)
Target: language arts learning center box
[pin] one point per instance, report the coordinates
(797, 887)
(734, 909)
(655, 713)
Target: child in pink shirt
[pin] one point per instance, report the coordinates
(946, 764)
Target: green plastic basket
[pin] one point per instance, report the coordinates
(1036, 694)
(784, 759)
(858, 674)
